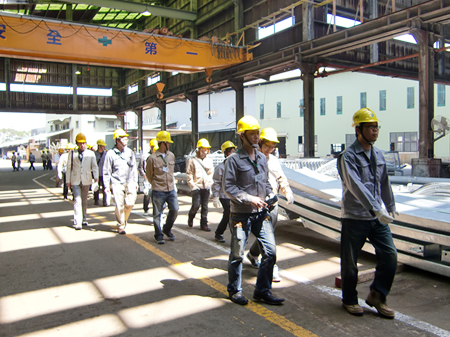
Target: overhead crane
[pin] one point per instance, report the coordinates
(27, 37)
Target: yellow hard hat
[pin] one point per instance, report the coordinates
(80, 138)
(203, 143)
(89, 146)
(119, 133)
(70, 146)
(101, 142)
(364, 115)
(60, 150)
(269, 134)
(163, 136)
(227, 145)
(154, 143)
(247, 123)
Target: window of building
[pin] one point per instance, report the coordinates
(133, 88)
(110, 124)
(51, 128)
(301, 145)
(382, 100)
(278, 109)
(410, 98)
(274, 28)
(261, 111)
(57, 127)
(92, 123)
(363, 100)
(302, 107)
(440, 95)
(77, 124)
(154, 79)
(322, 106)
(339, 105)
(404, 141)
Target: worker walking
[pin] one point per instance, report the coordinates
(49, 161)
(268, 141)
(142, 169)
(62, 168)
(19, 161)
(365, 187)
(219, 196)
(13, 161)
(246, 183)
(44, 160)
(100, 156)
(81, 167)
(159, 172)
(199, 176)
(31, 159)
(120, 178)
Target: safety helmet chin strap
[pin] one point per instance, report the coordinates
(362, 134)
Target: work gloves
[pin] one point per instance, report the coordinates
(383, 216)
(216, 203)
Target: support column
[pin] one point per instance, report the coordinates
(238, 15)
(308, 70)
(162, 108)
(69, 12)
(238, 87)
(193, 98)
(441, 55)
(307, 22)
(426, 165)
(374, 55)
(74, 86)
(8, 81)
(140, 134)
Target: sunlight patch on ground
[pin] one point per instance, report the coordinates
(317, 270)
(135, 283)
(23, 306)
(188, 270)
(106, 325)
(70, 235)
(22, 217)
(31, 238)
(168, 310)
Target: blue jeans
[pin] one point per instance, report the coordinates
(158, 200)
(260, 225)
(353, 236)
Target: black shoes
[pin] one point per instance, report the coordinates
(190, 222)
(219, 238)
(205, 228)
(267, 297)
(238, 298)
(159, 240)
(169, 235)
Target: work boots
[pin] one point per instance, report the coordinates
(375, 300)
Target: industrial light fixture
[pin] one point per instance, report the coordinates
(146, 12)
(78, 72)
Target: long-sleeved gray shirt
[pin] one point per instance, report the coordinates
(243, 179)
(217, 188)
(143, 164)
(119, 167)
(365, 183)
(100, 158)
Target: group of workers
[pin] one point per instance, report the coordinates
(16, 160)
(246, 185)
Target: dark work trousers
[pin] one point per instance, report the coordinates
(49, 165)
(65, 188)
(147, 199)
(200, 197)
(32, 166)
(44, 164)
(254, 249)
(102, 188)
(225, 217)
(353, 237)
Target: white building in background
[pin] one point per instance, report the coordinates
(279, 104)
(64, 128)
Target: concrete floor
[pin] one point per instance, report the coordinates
(55, 281)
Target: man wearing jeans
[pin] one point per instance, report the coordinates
(81, 167)
(159, 172)
(199, 176)
(245, 182)
(366, 186)
(120, 178)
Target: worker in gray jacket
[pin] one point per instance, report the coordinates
(366, 186)
(120, 178)
(246, 183)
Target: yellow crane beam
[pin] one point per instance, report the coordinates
(58, 41)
